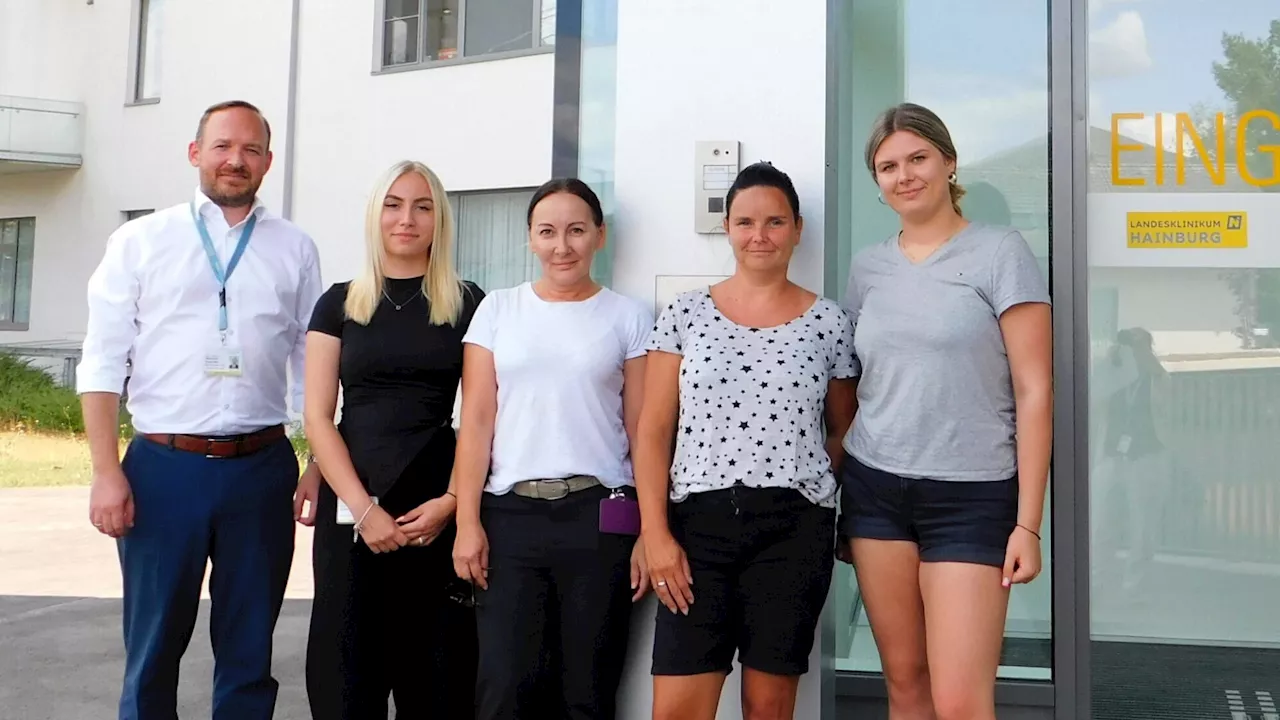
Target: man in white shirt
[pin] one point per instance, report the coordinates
(209, 301)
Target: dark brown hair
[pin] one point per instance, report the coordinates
(231, 105)
(573, 186)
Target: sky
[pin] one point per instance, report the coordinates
(983, 64)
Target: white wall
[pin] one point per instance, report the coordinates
(483, 125)
(712, 70)
(40, 55)
(134, 156)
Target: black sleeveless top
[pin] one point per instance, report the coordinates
(399, 376)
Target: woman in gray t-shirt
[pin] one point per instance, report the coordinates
(943, 489)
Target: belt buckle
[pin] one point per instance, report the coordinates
(210, 443)
(562, 485)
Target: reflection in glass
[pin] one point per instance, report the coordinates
(8, 268)
(547, 23)
(982, 66)
(597, 108)
(1184, 318)
(494, 26)
(149, 49)
(23, 271)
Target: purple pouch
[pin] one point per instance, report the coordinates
(619, 515)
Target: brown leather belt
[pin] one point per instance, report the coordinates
(219, 446)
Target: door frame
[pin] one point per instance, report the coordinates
(1067, 696)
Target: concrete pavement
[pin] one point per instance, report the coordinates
(61, 652)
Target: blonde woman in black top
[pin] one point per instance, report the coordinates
(390, 618)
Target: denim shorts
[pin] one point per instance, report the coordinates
(950, 521)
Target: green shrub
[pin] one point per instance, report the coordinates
(301, 446)
(31, 401)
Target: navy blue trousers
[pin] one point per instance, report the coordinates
(189, 509)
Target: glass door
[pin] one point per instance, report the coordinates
(983, 66)
(1183, 236)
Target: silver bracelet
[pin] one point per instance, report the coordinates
(355, 535)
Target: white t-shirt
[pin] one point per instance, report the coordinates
(559, 367)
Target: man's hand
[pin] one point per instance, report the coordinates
(308, 493)
(111, 502)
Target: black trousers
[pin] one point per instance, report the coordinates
(553, 624)
(395, 625)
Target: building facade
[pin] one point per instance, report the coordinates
(1136, 145)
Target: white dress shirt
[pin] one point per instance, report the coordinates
(153, 300)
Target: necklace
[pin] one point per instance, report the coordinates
(397, 305)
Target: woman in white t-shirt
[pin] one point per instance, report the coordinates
(547, 521)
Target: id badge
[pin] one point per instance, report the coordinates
(224, 360)
(1122, 446)
(619, 515)
(345, 516)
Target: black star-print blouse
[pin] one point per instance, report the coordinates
(752, 399)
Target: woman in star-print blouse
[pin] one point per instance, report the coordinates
(752, 380)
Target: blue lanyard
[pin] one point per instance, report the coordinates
(221, 275)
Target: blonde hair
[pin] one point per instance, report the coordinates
(920, 121)
(441, 286)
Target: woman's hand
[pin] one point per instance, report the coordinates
(1021, 557)
(380, 532)
(471, 554)
(639, 571)
(424, 523)
(668, 571)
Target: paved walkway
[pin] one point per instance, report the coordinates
(48, 548)
(62, 656)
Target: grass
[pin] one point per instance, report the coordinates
(42, 440)
(43, 460)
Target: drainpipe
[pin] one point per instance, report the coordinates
(290, 119)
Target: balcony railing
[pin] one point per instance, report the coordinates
(39, 134)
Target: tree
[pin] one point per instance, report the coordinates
(1249, 77)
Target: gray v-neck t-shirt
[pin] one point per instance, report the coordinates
(935, 397)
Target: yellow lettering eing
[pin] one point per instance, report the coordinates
(1215, 165)
(1242, 144)
(1159, 148)
(1117, 147)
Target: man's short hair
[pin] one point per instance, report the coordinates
(229, 105)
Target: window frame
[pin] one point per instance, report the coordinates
(11, 325)
(379, 35)
(138, 55)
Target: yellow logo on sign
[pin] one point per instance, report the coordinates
(1211, 230)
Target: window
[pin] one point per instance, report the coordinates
(492, 238)
(17, 245)
(1184, 377)
(146, 81)
(424, 31)
(135, 214)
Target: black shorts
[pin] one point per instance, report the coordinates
(761, 560)
(951, 521)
